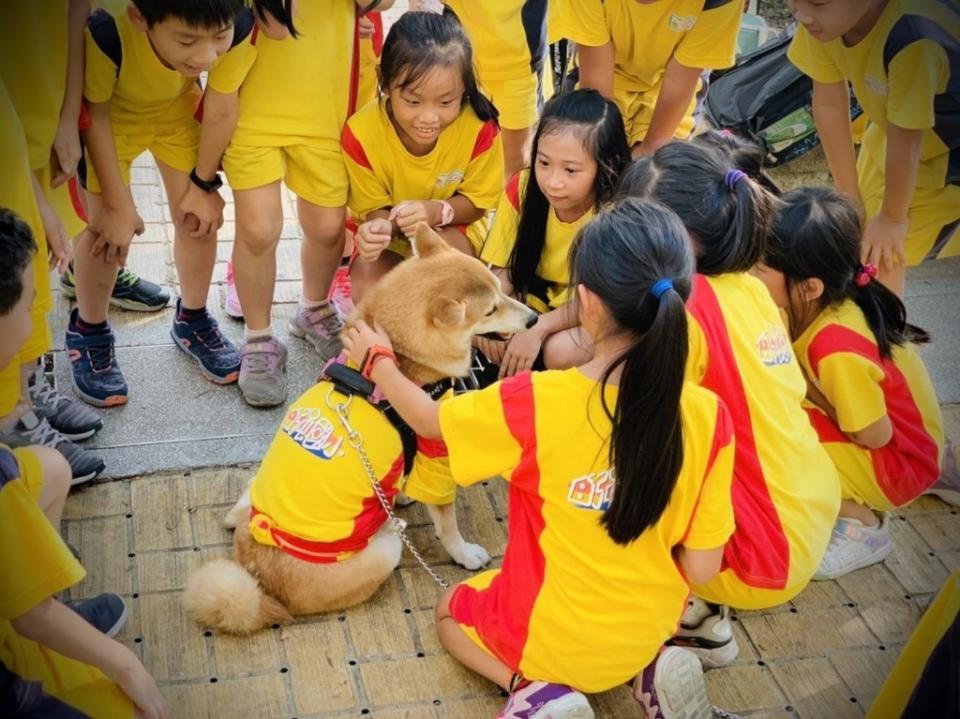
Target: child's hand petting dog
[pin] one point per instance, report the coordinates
(372, 238)
(409, 212)
(359, 338)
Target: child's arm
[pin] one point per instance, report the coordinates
(699, 566)
(411, 402)
(220, 113)
(408, 213)
(874, 436)
(831, 114)
(119, 220)
(596, 68)
(884, 236)
(66, 143)
(56, 234)
(523, 347)
(56, 627)
(676, 92)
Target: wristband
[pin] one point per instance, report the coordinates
(446, 214)
(374, 355)
(212, 186)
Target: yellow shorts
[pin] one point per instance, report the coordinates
(517, 99)
(637, 108)
(476, 234)
(40, 340)
(80, 685)
(9, 386)
(176, 147)
(313, 172)
(727, 588)
(934, 214)
(31, 470)
(479, 582)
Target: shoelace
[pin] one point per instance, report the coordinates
(210, 336)
(327, 318)
(259, 362)
(101, 357)
(126, 277)
(45, 394)
(44, 435)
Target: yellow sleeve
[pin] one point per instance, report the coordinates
(100, 72)
(36, 563)
(582, 21)
(483, 181)
(231, 69)
(916, 76)
(712, 43)
(851, 383)
(812, 59)
(712, 522)
(367, 191)
(479, 442)
(503, 234)
(697, 354)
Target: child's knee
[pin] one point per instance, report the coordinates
(259, 232)
(324, 225)
(56, 471)
(442, 610)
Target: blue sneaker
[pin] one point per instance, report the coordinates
(106, 612)
(203, 341)
(96, 376)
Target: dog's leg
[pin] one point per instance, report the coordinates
(240, 511)
(402, 500)
(469, 556)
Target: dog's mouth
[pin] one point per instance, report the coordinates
(496, 336)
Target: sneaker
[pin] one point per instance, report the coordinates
(341, 291)
(107, 612)
(130, 291)
(31, 429)
(231, 303)
(202, 340)
(539, 700)
(262, 363)
(95, 373)
(706, 630)
(71, 418)
(854, 546)
(320, 326)
(947, 487)
(672, 687)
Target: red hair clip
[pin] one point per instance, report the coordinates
(864, 274)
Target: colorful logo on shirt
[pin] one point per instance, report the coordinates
(593, 491)
(454, 177)
(774, 347)
(311, 430)
(682, 23)
(877, 85)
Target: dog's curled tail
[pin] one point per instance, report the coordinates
(223, 596)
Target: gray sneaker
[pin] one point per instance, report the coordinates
(73, 419)
(262, 364)
(33, 429)
(320, 327)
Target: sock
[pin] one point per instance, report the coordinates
(308, 304)
(250, 335)
(187, 315)
(88, 328)
(517, 681)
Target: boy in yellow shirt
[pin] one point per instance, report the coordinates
(145, 99)
(901, 57)
(648, 57)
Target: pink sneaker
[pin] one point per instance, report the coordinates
(231, 303)
(340, 291)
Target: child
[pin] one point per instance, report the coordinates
(578, 152)
(428, 151)
(649, 56)
(902, 58)
(145, 99)
(876, 411)
(619, 492)
(785, 489)
(42, 642)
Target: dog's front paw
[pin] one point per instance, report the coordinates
(470, 556)
(402, 500)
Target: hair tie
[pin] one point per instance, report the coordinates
(661, 286)
(864, 274)
(733, 177)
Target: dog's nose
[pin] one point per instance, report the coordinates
(532, 320)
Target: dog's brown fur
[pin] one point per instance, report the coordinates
(430, 306)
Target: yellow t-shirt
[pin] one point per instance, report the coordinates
(785, 491)
(645, 36)
(570, 605)
(508, 36)
(554, 268)
(840, 355)
(297, 88)
(33, 64)
(905, 73)
(467, 160)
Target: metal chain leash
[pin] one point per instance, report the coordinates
(356, 441)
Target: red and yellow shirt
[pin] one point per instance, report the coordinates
(785, 489)
(569, 605)
(840, 355)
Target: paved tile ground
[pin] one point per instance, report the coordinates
(823, 655)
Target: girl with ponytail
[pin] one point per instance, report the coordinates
(785, 489)
(875, 409)
(619, 494)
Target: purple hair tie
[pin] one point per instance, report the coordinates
(733, 177)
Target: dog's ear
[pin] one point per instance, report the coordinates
(447, 312)
(426, 242)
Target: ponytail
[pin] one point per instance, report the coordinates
(886, 316)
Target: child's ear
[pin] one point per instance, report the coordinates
(137, 18)
(426, 242)
(811, 289)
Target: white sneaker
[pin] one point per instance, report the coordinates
(947, 487)
(706, 630)
(854, 546)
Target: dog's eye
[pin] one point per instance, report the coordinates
(491, 311)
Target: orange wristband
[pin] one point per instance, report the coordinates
(374, 355)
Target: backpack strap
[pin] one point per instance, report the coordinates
(103, 30)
